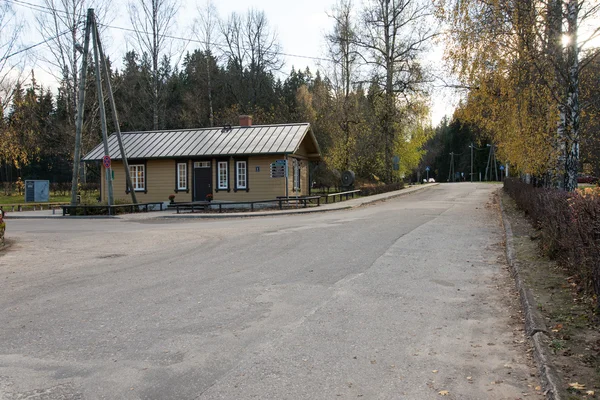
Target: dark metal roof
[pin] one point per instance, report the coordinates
(229, 141)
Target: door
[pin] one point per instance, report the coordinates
(202, 180)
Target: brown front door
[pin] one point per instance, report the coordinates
(202, 180)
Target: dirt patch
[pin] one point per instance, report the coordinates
(573, 328)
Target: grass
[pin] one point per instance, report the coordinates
(20, 199)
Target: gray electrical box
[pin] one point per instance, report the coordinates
(37, 191)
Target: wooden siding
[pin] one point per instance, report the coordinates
(260, 184)
(160, 182)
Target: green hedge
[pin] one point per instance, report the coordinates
(570, 227)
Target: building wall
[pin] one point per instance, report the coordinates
(260, 184)
(161, 181)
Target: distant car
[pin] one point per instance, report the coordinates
(431, 180)
(587, 179)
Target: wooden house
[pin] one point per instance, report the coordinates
(233, 163)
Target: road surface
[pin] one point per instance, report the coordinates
(404, 299)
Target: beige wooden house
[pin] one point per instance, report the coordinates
(233, 163)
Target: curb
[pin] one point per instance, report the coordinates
(61, 217)
(322, 209)
(402, 192)
(250, 215)
(535, 327)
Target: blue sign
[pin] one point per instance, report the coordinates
(427, 169)
(502, 168)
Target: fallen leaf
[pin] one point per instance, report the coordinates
(435, 371)
(577, 386)
(538, 388)
(444, 392)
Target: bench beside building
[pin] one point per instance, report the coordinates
(233, 163)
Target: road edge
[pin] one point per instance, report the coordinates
(535, 328)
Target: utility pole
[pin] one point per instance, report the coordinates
(487, 166)
(102, 115)
(451, 173)
(115, 115)
(471, 162)
(80, 108)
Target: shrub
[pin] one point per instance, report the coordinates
(570, 227)
(369, 190)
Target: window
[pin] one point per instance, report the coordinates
(222, 173)
(296, 176)
(181, 176)
(202, 164)
(138, 176)
(241, 174)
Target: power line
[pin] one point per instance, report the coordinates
(212, 44)
(36, 45)
(37, 7)
(50, 10)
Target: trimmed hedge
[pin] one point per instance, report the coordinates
(570, 227)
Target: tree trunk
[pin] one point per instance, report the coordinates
(572, 110)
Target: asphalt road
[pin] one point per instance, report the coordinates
(403, 299)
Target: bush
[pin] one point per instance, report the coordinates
(369, 190)
(570, 227)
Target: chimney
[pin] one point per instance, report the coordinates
(245, 120)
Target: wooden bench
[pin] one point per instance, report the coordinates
(280, 200)
(144, 207)
(303, 200)
(348, 194)
(199, 205)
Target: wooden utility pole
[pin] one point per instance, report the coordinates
(471, 146)
(109, 185)
(80, 108)
(115, 116)
(451, 172)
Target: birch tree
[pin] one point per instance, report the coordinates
(206, 30)
(394, 34)
(507, 47)
(11, 61)
(343, 51)
(153, 22)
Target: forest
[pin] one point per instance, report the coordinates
(526, 74)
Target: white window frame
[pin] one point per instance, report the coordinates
(135, 179)
(241, 184)
(180, 176)
(222, 166)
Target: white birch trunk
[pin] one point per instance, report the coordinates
(572, 109)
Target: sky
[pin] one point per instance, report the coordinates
(300, 27)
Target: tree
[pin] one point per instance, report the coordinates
(253, 54)
(344, 54)
(11, 60)
(393, 34)
(513, 53)
(152, 22)
(206, 31)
